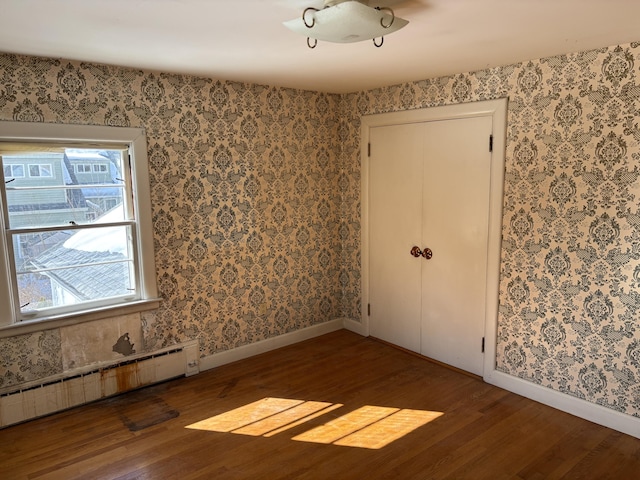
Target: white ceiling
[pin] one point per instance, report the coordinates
(244, 40)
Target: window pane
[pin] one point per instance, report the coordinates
(60, 207)
(73, 266)
(76, 240)
(66, 189)
(17, 170)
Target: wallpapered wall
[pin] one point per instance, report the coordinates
(570, 267)
(245, 198)
(256, 197)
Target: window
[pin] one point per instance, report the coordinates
(13, 171)
(77, 241)
(41, 170)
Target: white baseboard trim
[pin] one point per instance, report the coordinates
(246, 351)
(355, 326)
(575, 406)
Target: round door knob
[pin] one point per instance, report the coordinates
(426, 253)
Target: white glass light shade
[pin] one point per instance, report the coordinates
(347, 22)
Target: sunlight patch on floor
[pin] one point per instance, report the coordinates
(266, 417)
(367, 427)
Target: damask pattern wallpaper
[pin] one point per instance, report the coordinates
(256, 197)
(570, 263)
(245, 199)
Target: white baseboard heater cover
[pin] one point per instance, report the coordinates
(55, 394)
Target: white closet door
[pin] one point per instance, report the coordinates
(455, 221)
(429, 187)
(395, 207)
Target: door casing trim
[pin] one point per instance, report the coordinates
(497, 110)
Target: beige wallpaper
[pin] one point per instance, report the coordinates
(256, 195)
(246, 205)
(570, 268)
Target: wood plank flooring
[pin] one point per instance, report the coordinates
(404, 417)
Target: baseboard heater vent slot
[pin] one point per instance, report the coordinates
(49, 396)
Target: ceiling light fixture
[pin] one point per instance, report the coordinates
(346, 21)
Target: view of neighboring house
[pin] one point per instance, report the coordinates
(73, 187)
(42, 172)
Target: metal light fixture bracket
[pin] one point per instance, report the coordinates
(346, 21)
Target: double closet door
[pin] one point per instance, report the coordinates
(429, 189)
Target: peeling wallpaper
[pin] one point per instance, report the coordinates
(256, 196)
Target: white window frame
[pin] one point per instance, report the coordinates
(11, 321)
(47, 167)
(11, 165)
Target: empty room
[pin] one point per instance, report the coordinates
(319, 239)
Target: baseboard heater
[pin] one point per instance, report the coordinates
(54, 394)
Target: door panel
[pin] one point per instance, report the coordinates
(455, 226)
(394, 222)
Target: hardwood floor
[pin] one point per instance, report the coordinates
(336, 407)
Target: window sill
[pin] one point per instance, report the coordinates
(49, 323)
